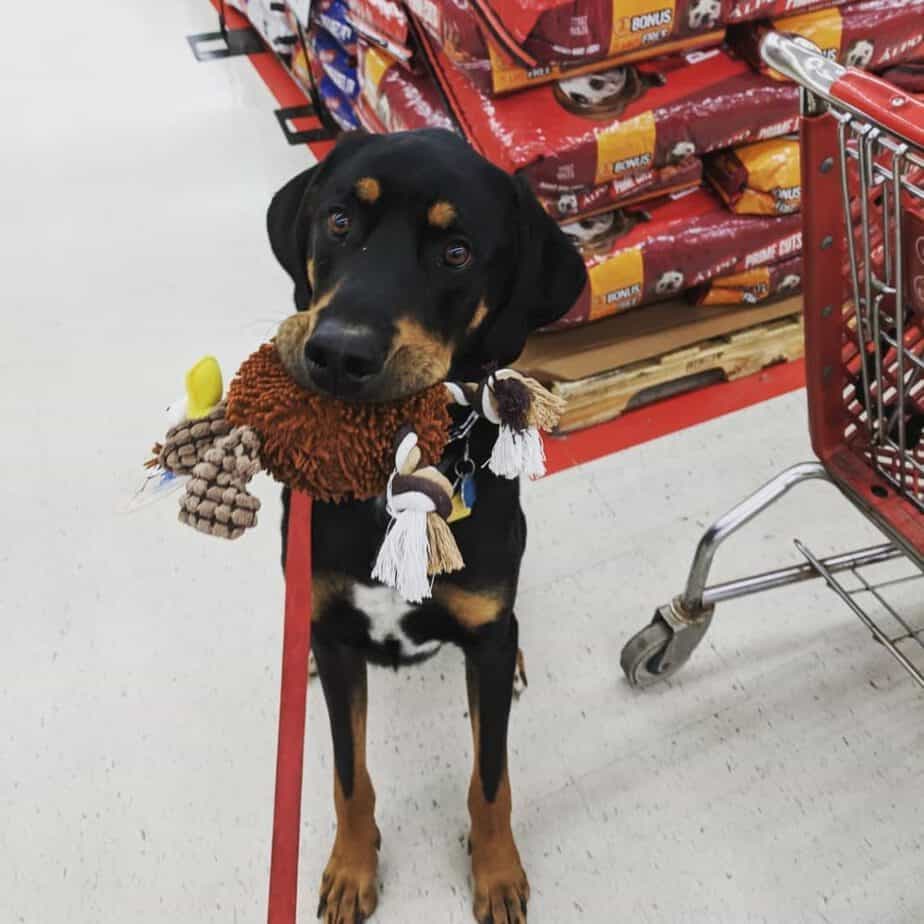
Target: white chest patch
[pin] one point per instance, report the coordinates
(386, 610)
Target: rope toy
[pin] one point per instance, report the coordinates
(337, 451)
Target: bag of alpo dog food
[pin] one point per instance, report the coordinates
(587, 131)
(872, 34)
(584, 203)
(392, 99)
(749, 10)
(337, 65)
(510, 44)
(758, 179)
(655, 250)
(908, 76)
(753, 285)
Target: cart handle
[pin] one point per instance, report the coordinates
(861, 94)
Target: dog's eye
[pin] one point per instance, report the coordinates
(338, 223)
(457, 254)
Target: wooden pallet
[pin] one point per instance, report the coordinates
(605, 395)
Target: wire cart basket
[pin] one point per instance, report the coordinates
(863, 255)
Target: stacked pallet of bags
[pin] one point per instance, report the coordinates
(649, 128)
(610, 117)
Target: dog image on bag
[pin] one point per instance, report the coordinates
(669, 282)
(682, 150)
(414, 260)
(596, 234)
(604, 95)
(860, 53)
(704, 14)
(567, 204)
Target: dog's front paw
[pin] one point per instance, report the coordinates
(349, 892)
(501, 887)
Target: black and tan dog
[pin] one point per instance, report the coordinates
(415, 260)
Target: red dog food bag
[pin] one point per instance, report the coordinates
(909, 76)
(660, 181)
(656, 250)
(392, 99)
(913, 243)
(590, 130)
(508, 45)
(871, 34)
(752, 286)
(383, 23)
(748, 10)
(758, 179)
(385, 18)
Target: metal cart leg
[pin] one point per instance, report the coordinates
(660, 649)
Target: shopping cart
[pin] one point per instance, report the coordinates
(863, 257)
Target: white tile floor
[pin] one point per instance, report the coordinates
(778, 779)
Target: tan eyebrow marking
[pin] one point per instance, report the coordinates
(481, 312)
(441, 214)
(368, 190)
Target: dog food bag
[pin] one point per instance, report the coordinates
(507, 45)
(908, 76)
(271, 21)
(871, 34)
(385, 18)
(749, 10)
(338, 104)
(758, 179)
(337, 65)
(393, 99)
(383, 23)
(591, 130)
(752, 286)
(655, 250)
(333, 17)
(637, 187)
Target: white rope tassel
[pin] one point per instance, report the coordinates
(403, 558)
(518, 453)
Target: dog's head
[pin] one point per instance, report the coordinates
(413, 259)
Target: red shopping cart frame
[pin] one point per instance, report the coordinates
(824, 255)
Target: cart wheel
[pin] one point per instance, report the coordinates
(660, 650)
(642, 657)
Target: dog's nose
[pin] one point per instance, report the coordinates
(342, 357)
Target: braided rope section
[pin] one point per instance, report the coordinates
(186, 444)
(217, 501)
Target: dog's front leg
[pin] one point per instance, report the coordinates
(500, 885)
(348, 888)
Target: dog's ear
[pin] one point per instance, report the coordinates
(288, 217)
(549, 277)
(288, 228)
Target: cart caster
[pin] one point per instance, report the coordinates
(660, 649)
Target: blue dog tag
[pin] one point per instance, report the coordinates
(468, 491)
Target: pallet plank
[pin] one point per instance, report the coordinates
(602, 397)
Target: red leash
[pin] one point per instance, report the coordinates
(293, 701)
